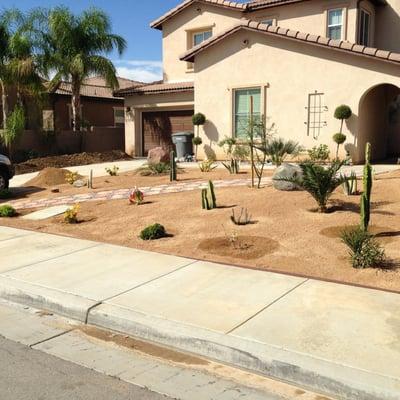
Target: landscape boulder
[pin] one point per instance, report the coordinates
(158, 155)
(286, 171)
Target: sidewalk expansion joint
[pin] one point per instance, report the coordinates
(266, 307)
(17, 237)
(91, 308)
(49, 259)
(51, 338)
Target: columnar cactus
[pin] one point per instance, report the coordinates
(208, 199)
(172, 173)
(367, 183)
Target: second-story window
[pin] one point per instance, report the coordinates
(199, 37)
(335, 24)
(365, 22)
(268, 21)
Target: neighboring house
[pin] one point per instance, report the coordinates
(99, 107)
(298, 59)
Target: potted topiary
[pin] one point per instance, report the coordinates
(198, 119)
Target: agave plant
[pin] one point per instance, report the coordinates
(318, 181)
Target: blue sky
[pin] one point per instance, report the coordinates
(130, 18)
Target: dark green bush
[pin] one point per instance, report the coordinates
(153, 232)
(364, 250)
(339, 138)
(343, 112)
(198, 119)
(5, 194)
(7, 211)
(197, 141)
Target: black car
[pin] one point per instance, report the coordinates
(6, 171)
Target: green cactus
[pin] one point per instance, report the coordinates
(208, 199)
(366, 196)
(172, 172)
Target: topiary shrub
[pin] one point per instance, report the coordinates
(153, 232)
(198, 119)
(197, 141)
(343, 112)
(7, 211)
(339, 138)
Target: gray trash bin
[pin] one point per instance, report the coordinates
(183, 143)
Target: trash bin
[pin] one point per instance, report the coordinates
(183, 144)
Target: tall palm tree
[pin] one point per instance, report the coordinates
(19, 69)
(75, 49)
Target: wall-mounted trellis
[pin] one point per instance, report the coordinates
(315, 114)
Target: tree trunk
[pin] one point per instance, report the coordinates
(4, 102)
(76, 106)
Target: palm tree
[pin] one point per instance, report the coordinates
(75, 48)
(19, 70)
(318, 181)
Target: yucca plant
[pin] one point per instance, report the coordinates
(279, 149)
(318, 181)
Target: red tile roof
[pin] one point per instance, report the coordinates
(259, 4)
(157, 24)
(157, 88)
(95, 87)
(276, 31)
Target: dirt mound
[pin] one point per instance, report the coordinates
(49, 177)
(70, 160)
(244, 247)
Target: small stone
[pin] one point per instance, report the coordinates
(158, 155)
(79, 183)
(286, 171)
(55, 190)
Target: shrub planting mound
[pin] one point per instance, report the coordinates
(70, 160)
(383, 234)
(244, 247)
(49, 177)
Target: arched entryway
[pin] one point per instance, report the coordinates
(379, 122)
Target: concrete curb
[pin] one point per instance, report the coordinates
(65, 304)
(301, 369)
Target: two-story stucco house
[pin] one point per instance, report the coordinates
(297, 59)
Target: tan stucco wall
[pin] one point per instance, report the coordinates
(290, 71)
(177, 31)
(144, 103)
(311, 16)
(387, 33)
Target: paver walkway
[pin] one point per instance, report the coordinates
(119, 194)
(335, 338)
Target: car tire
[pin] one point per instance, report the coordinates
(3, 180)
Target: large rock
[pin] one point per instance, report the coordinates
(286, 171)
(158, 155)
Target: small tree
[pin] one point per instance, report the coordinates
(343, 113)
(198, 120)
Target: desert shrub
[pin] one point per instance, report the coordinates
(364, 250)
(71, 215)
(5, 194)
(71, 177)
(112, 171)
(279, 149)
(243, 218)
(207, 165)
(197, 141)
(15, 126)
(350, 184)
(318, 181)
(319, 153)
(7, 211)
(155, 169)
(153, 232)
(241, 152)
(136, 197)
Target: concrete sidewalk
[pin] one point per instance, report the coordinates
(335, 339)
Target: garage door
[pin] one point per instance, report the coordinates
(158, 127)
